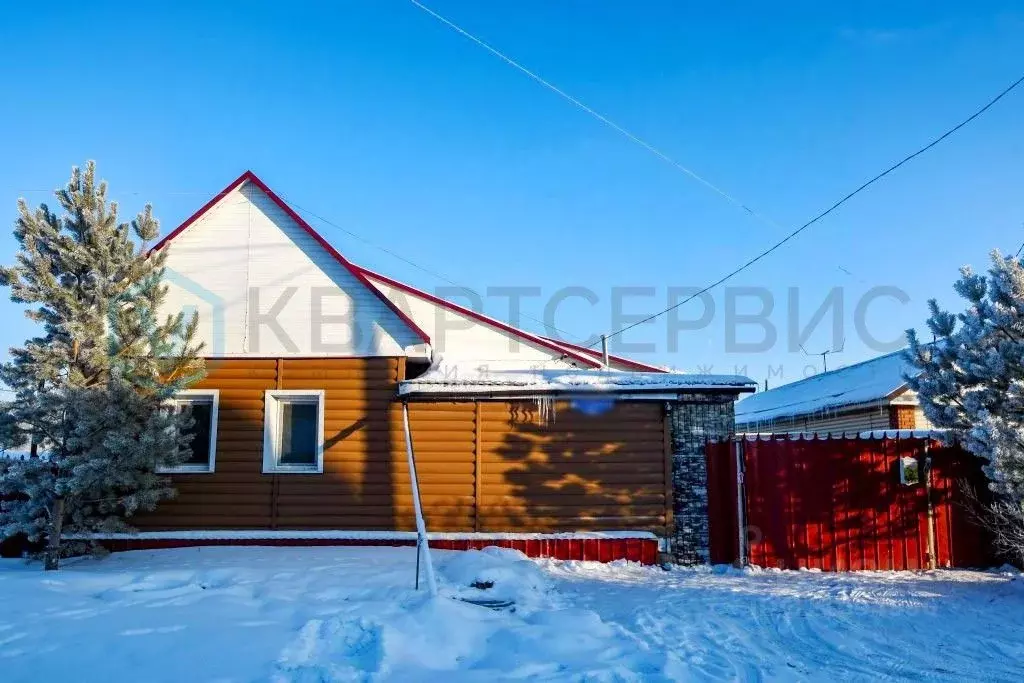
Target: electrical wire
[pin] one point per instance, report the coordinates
(827, 211)
(697, 177)
(632, 137)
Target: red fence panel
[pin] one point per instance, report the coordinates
(961, 542)
(838, 504)
(723, 525)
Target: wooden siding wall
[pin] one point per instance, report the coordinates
(483, 466)
(862, 420)
(578, 471)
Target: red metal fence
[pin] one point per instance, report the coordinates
(557, 546)
(839, 505)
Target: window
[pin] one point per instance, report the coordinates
(293, 432)
(202, 405)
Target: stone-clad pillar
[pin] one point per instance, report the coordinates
(696, 419)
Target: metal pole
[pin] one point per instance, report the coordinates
(417, 585)
(421, 526)
(932, 560)
(741, 513)
(604, 351)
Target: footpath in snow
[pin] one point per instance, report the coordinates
(344, 614)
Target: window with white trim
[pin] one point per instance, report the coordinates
(201, 404)
(293, 431)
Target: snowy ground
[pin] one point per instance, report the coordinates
(338, 614)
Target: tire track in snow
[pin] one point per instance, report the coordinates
(946, 626)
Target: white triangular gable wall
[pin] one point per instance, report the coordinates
(241, 258)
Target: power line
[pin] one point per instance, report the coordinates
(829, 210)
(632, 137)
(677, 165)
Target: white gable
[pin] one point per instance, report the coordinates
(467, 341)
(263, 286)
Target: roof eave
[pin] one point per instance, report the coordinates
(512, 393)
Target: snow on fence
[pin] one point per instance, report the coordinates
(639, 547)
(873, 501)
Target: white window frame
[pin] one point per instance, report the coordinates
(273, 398)
(189, 396)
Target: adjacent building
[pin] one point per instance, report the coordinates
(866, 396)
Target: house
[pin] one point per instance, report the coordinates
(519, 438)
(870, 395)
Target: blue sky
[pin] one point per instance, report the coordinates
(385, 121)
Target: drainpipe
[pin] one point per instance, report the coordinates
(932, 559)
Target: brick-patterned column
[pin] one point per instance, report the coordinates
(695, 420)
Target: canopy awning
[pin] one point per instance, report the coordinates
(496, 384)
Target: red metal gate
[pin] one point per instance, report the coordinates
(838, 504)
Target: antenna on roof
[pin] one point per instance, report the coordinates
(824, 354)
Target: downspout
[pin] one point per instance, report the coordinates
(932, 559)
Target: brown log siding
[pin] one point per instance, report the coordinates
(483, 466)
(902, 416)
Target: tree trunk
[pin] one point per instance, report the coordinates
(51, 560)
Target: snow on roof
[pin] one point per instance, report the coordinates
(461, 380)
(866, 382)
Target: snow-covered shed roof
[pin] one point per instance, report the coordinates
(867, 382)
(458, 380)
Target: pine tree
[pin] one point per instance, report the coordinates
(971, 382)
(90, 392)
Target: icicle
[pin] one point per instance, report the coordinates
(545, 409)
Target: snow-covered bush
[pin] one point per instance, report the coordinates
(90, 391)
(971, 382)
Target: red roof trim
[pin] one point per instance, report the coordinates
(621, 360)
(493, 322)
(206, 207)
(356, 272)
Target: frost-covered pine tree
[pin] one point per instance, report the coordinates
(971, 381)
(89, 393)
